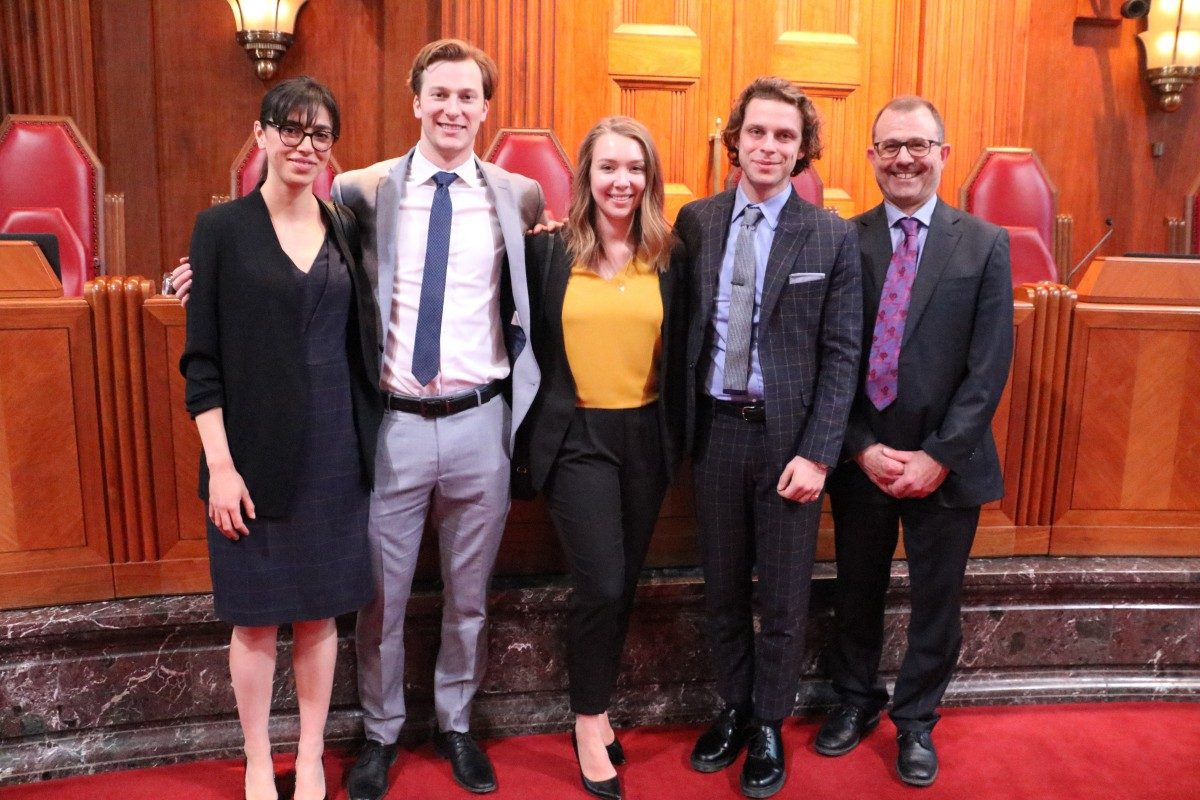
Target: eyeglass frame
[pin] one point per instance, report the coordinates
(305, 134)
(929, 145)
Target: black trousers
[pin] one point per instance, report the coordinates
(746, 527)
(937, 542)
(604, 493)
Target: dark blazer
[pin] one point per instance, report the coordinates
(245, 346)
(549, 267)
(808, 332)
(954, 358)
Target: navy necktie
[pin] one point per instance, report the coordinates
(427, 344)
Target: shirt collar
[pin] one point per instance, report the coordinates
(421, 169)
(771, 208)
(924, 214)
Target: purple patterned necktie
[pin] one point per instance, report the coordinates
(884, 363)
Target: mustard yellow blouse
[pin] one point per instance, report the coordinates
(612, 332)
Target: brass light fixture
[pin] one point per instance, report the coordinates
(1172, 43)
(264, 28)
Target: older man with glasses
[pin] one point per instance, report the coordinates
(937, 341)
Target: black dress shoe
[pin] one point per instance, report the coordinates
(368, 778)
(469, 765)
(608, 789)
(616, 753)
(844, 729)
(763, 773)
(917, 762)
(718, 747)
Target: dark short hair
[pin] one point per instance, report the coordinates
(783, 90)
(911, 102)
(453, 50)
(300, 93)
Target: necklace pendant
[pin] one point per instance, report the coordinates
(620, 286)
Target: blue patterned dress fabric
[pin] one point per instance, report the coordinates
(315, 562)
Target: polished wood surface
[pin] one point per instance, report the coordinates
(1127, 479)
(54, 534)
(1166, 281)
(47, 49)
(24, 272)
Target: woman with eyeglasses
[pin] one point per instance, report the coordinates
(281, 372)
(606, 427)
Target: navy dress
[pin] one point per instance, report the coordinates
(313, 563)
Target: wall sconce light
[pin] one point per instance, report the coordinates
(264, 28)
(1172, 43)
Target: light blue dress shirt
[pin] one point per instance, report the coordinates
(924, 215)
(764, 235)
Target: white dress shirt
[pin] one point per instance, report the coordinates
(472, 345)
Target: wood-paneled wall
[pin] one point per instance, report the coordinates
(166, 95)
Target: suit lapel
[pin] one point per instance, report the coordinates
(512, 228)
(555, 291)
(790, 235)
(715, 228)
(875, 242)
(935, 256)
(389, 194)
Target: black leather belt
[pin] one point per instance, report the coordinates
(750, 412)
(429, 407)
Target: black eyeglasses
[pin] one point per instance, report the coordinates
(915, 147)
(292, 135)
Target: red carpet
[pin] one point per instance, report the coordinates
(1074, 752)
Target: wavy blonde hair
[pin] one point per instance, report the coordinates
(651, 231)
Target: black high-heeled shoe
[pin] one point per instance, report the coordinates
(609, 789)
(616, 753)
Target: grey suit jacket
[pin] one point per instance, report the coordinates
(808, 331)
(954, 357)
(374, 194)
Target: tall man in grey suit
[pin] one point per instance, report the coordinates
(443, 240)
(773, 354)
(937, 342)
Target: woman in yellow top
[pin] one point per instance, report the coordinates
(606, 428)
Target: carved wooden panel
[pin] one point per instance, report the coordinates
(120, 364)
(47, 49)
(841, 53)
(53, 537)
(973, 68)
(519, 36)
(1127, 480)
(181, 564)
(656, 60)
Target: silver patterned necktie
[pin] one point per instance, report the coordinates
(741, 305)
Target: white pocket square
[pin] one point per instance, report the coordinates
(805, 277)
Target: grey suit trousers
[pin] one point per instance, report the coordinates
(455, 471)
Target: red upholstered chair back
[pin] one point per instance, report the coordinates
(536, 153)
(1031, 259)
(1010, 187)
(1194, 225)
(248, 165)
(52, 182)
(807, 184)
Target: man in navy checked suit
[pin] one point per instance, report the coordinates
(762, 444)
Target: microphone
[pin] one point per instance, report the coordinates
(1107, 221)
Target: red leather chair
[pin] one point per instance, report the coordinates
(247, 167)
(1009, 186)
(1031, 259)
(807, 184)
(52, 182)
(1191, 219)
(536, 153)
